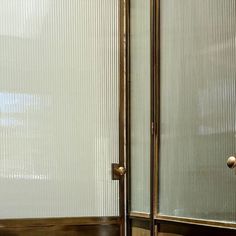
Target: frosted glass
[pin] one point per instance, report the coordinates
(198, 119)
(140, 104)
(59, 108)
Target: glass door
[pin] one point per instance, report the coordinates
(59, 109)
(197, 112)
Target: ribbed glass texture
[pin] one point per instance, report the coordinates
(59, 102)
(198, 118)
(140, 104)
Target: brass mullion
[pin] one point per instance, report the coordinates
(157, 106)
(155, 49)
(122, 110)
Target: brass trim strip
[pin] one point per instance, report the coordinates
(191, 221)
(136, 214)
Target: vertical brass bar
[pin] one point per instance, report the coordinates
(157, 80)
(128, 157)
(155, 103)
(122, 111)
(152, 121)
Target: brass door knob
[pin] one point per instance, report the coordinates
(231, 162)
(120, 170)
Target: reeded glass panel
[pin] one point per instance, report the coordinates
(59, 91)
(140, 104)
(198, 101)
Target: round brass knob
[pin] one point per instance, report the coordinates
(231, 162)
(120, 170)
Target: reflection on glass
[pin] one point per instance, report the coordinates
(17, 114)
(198, 119)
(59, 89)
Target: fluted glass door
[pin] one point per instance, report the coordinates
(198, 109)
(59, 108)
